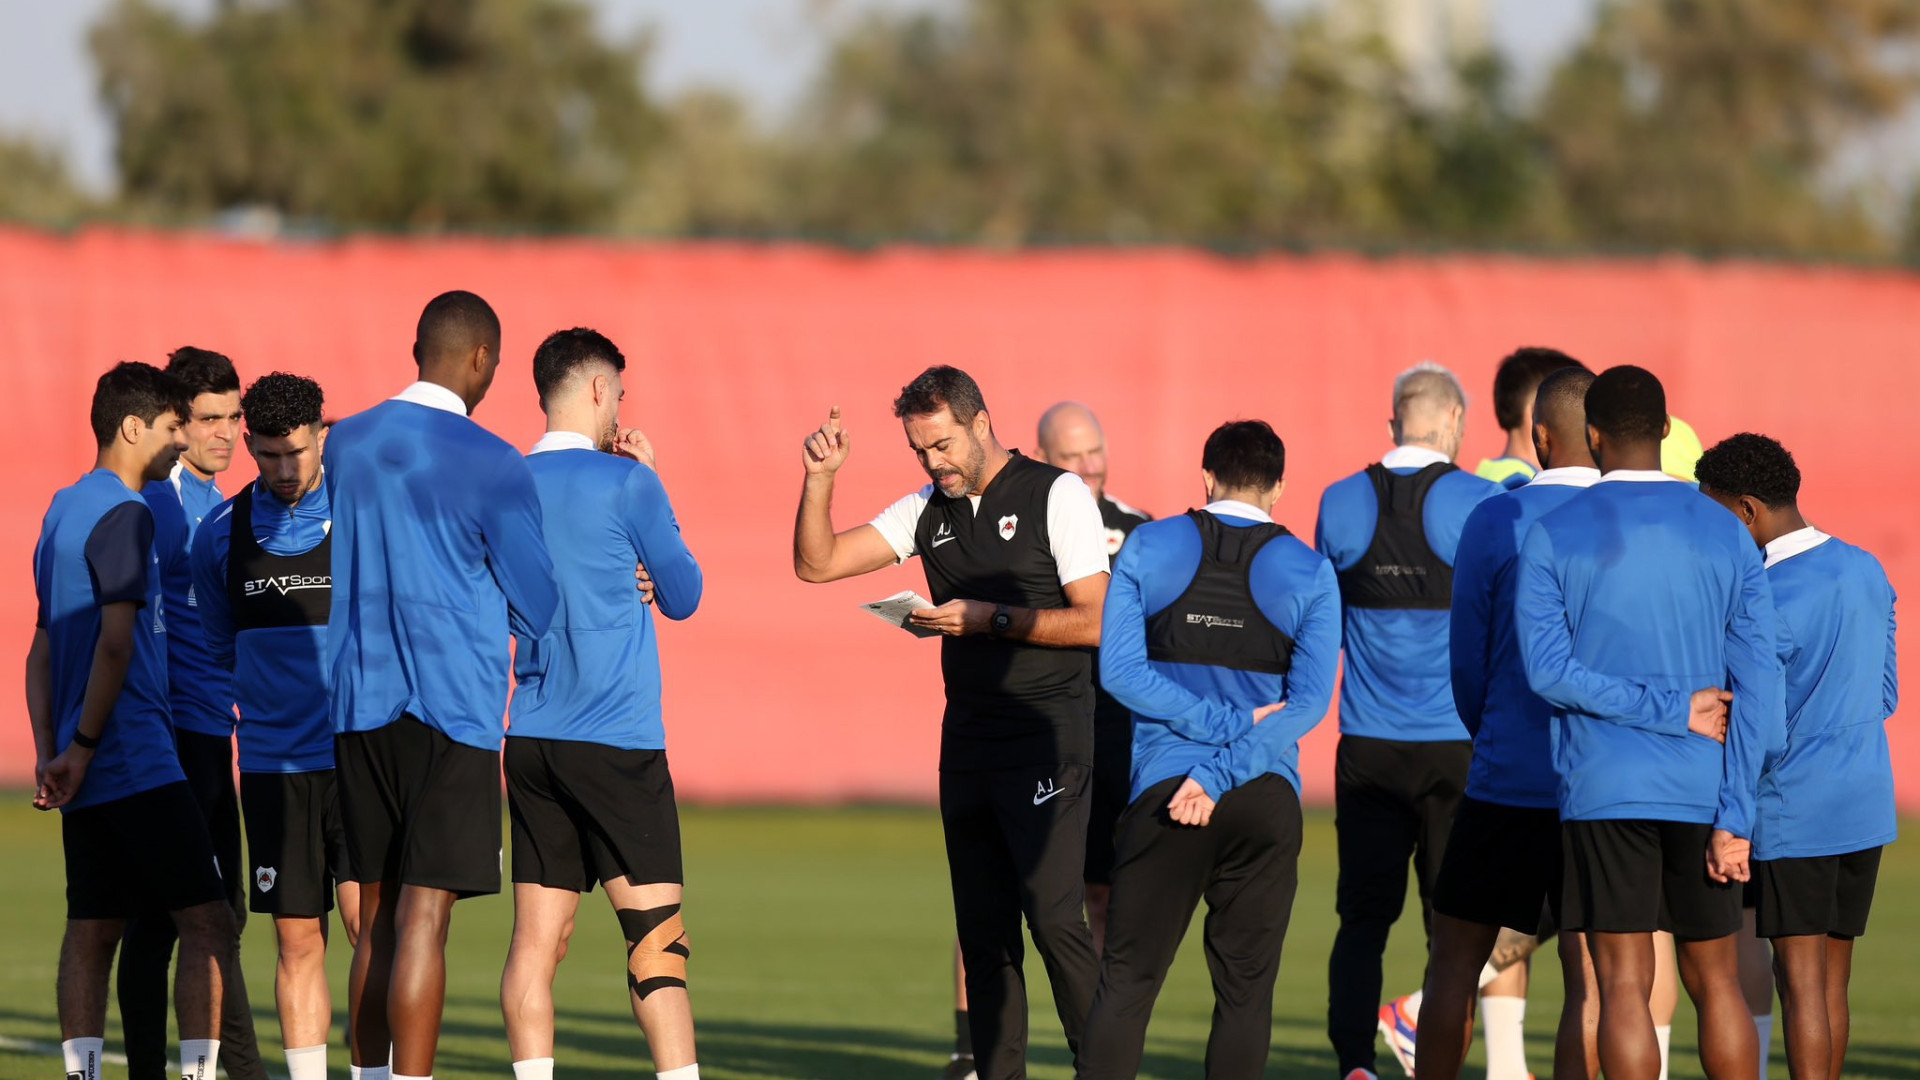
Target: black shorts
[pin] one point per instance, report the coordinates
(1638, 876)
(145, 853)
(583, 812)
(419, 808)
(1112, 788)
(296, 842)
(1502, 865)
(1826, 894)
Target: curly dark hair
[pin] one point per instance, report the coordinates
(1627, 404)
(134, 389)
(1749, 464)
(202, 371)
(278, 403)
(941, 387)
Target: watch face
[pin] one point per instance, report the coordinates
(1001, 620)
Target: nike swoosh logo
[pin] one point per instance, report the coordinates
(1038, 799)
(945, 540)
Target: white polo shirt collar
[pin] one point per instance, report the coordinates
(1238, 509)
(1567, 476)
(433, 396)
(1413, 457)
(1637, 476)
(1797, 542)
(562, 440)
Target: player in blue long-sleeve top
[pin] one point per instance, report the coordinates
(1825, 805)
(588, 786)
(1391, 531)
(1628, 599)
(437, 553)
(1222, 635)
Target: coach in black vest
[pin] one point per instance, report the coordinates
(1016, 562)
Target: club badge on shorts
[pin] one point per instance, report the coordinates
(264, 877)
(1007, 525)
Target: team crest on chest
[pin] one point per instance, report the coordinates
(1115, 538)
(1007, 525)
(264, 877)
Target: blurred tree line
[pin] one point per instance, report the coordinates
(1715, 126)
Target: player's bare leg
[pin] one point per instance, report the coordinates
(664, 1010)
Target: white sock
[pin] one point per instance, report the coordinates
(1763, 1026)
(398, 1076)
(198, 1058)
(1412, 1006)
(1664, 1036)
(684, 1072)
(307, 1062)
(1505, 1022)
(533, 1069)
(1488, 973)
(83, 1057)
(370, 1072)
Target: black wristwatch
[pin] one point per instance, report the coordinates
(1001, 622)
(85, 741)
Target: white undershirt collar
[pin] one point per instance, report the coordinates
(1797, 542)
(1638, 476)
(1566, 476)
(1413, 457)
(561, 440)
(1238, 509)
(433, 396)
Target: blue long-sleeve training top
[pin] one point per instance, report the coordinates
(200, 690)
(279, 672)
(1197, 720)
(1397, 672)
(436, 544)
(96, 548)
(1636, 593)
(1512, 752)
(594, 676)
(1831, 791)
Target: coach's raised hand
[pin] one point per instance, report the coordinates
(1708, 715)
(826, 449)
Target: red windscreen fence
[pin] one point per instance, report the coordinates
(779, 691)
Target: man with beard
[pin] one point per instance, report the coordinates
(1016, 563)
(588, 787)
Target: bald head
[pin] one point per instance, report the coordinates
(1429, 409)
(1560, 419)
(1070, 438)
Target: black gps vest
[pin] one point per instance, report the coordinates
(265, 590)
(1216, 621)
(1008, 702)
(1400, 570)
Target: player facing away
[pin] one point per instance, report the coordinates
(1633, 596)
(263, 573)
(96, 684)
(1515, 382)
(1222, 635)
(588, 787)
(201, 696)
(1016, 563)
(1826, 801)
(437, 556)
(1391, 531)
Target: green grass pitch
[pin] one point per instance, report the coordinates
(821, 952)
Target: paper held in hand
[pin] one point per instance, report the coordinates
(894, 609)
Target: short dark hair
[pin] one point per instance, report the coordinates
(941, 387)
(202, 371)
(454, 322)
(1245, 454)
(276, 404)
(567, 351)
(1519, 378)
(1749, 464)
(1628, 404)
(134, 389)
(1562, 397)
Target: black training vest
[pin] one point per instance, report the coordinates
(1400, 570)
(1216, 621)
(1008, 702)
(266, 590)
